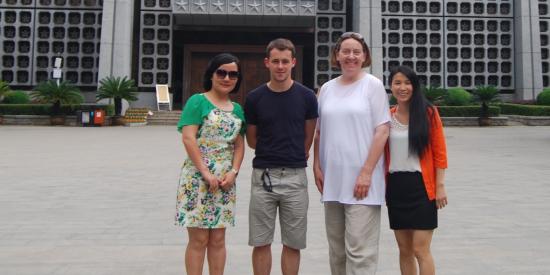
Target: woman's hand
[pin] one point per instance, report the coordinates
(440, 196)
(211, 181)
(319, 178)
(362, 185)
(228, 180)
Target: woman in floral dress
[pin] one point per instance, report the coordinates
(212, 128)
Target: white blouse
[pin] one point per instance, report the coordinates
(348, 117)
(400, 158)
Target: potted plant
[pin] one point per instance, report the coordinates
(118, 89)
(485, 95)
(4, 88)
(57, 93)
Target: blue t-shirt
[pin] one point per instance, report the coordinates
(280, 121)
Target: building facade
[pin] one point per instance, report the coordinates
(449, 43)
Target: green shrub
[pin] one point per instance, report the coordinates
(457, 97)
(45, 109)
(466, 111)
(16, 97)
(486, 94)
(544, 97)
(434, 94)
(4, 88)
(524, 110)
(58, 94)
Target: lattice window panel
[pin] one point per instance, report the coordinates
(476, 41)
(331, 6)
(544, 24)
(16, 47)
(69, 4)
(74, 35)
(160, 4)
(17, 3)
(480, 8)
(329, 29)
(416, 42)
(155, 53)
(408, 7)
(479, 51)
(330, 23)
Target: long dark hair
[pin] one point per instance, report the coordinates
(419, 111)
(214, 64)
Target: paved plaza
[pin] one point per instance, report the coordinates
(102, 201)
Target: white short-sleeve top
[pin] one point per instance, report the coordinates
(348, 116)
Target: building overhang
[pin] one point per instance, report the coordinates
(254, 13)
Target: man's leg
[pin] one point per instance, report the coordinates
(293, 217)
(262, 213)
(290, 260)
(261, 260)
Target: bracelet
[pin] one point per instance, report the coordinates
(235, 171)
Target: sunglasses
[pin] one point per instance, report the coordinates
(352, 35)
(266, 181)
(221, 74)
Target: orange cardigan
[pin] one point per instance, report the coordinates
(434, 157)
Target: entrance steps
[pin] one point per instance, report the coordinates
(164, 118)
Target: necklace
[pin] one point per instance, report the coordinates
(398, 125)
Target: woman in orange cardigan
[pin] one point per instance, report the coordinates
(416, 158)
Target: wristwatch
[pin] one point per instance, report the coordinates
(235, 171)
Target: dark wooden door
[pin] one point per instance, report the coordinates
(254, 72)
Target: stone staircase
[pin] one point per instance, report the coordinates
(164, 118)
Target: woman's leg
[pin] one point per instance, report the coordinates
(216, 251)
(194, 254)
(422, 240)
(362, 238)
(407, 262)
(335, 227)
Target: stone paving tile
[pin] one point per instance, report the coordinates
(101, 201)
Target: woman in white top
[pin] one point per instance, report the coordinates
(416, 159)
(353, 127)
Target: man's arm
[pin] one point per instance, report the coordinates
(309, 133)
(251, 135)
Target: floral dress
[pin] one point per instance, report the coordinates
(196, 206)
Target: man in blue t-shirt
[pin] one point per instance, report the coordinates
(281, 117)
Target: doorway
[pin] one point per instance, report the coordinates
(196, 57)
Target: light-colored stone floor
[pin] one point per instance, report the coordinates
(102, 200)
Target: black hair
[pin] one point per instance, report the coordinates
(214, 64)
(419, 111)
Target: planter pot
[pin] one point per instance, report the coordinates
(57, 120)
(484, 121)
(118, 121)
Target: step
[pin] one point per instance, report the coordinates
(164, 118)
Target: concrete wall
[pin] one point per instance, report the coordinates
(528, 69)
(367, 17)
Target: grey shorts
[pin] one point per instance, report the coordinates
(289, 194)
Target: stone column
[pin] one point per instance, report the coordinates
(115, 58)
(367, 20)
(528, 66)
(116, 38)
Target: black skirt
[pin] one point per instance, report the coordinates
(408, 203)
